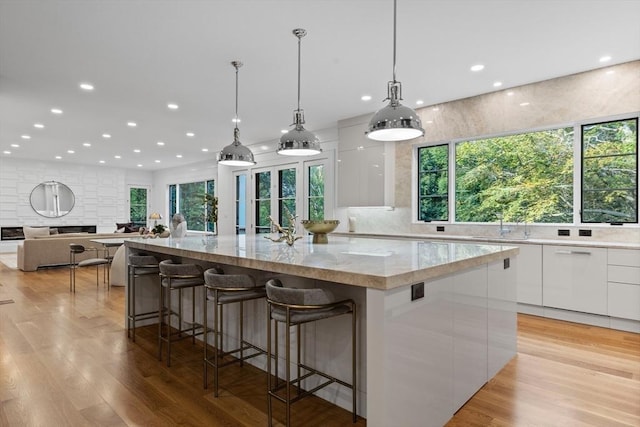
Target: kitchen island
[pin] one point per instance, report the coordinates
(437, 319)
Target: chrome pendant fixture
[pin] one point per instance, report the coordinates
(299, 141)
(395, 122)
(236, 154)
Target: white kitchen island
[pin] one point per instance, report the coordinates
(419, 361)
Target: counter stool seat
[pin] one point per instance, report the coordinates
(295, 307)
(225, 289)
(139, 265)
(175, 276)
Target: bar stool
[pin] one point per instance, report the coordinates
(295, 307)
(225, 289)
(76, 249)
(140, 265)
(178, 277)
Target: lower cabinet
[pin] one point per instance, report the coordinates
(530, 274)
(575, 278)
(623, 284)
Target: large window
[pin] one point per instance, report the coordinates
(138, 206)
(241, 203)
(263, 201)
(523, 177)
(433, 179)
(188, 199)
(610, 172)
(286, 195)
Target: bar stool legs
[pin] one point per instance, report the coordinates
(138, 266)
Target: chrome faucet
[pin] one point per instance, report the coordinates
(502, 230)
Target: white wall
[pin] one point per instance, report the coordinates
(101, 193)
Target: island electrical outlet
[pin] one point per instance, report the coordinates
(417, 291)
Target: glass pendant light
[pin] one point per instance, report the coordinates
(236, 154)
(395, 122)
(299, 141)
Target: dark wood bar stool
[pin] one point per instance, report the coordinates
(139, 266)
(177, 277)
(224, 289)
(75, 250)
(295, 307)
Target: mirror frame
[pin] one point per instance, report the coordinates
(52, 199)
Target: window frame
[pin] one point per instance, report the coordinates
(449, 179)
(174, 203)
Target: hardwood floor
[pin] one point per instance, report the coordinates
(65, 360)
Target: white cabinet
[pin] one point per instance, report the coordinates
(623, 284)
(530, 274)
(365, 167)
(501, 316)
(575, 278)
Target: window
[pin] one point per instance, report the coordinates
(610, 172)
(316, 192)
(433, 183)
(527, 176)
(286, 195)
(263, 201)
(138, 206)
(241, 203)
(188, 199)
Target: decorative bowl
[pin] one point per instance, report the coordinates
(320, 228)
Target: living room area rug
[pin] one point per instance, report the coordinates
(9, 259)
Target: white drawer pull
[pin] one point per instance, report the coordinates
(573, 253)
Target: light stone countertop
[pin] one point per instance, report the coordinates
(368, 262)
(497, 240)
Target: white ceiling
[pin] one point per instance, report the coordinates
(142, 54)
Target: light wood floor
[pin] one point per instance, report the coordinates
(65, 360)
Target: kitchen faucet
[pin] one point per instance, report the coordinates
(502, 230)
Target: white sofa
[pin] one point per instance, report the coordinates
(54, 249)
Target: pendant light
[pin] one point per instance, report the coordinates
(236, 154)
(299, 141)
(395, 122)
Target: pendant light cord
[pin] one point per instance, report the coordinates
(237, 66)
(299, 50)
(394, 40)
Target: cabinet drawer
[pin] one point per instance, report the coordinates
(623, 301)
(623, 274)
(626, 257)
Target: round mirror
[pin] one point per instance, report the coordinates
(52, 199)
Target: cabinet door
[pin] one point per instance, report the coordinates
(530, 274)
(501, 315)
(575, 278)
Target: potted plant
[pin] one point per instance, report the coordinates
(211, 203)
(159, 230)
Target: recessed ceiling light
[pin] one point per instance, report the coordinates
(38, 125)
(366, 97)
(419, 102)
(157, 161)
(284, 131)
(70, 151)
(436, 109)
(86, 86)
(264, 147)
(7, 152)
(25, 137)
(86, 144)
(137, 150)
(58, 157)
(101, 161)
(605, 58)
(132, 124)
(477, 67)
(15, 145)
(56, 111)
(509, 93)
(160, 143)
(524, 104)
(172, 106)
(497, 84)
(139, 165)
(117, 157)
(236, 120)
(191, 134)
(205, 149)
(106, 135)
(179, 156)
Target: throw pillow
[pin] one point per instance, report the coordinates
(120, 225)
(33, 232)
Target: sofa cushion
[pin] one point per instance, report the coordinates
(33, 232)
